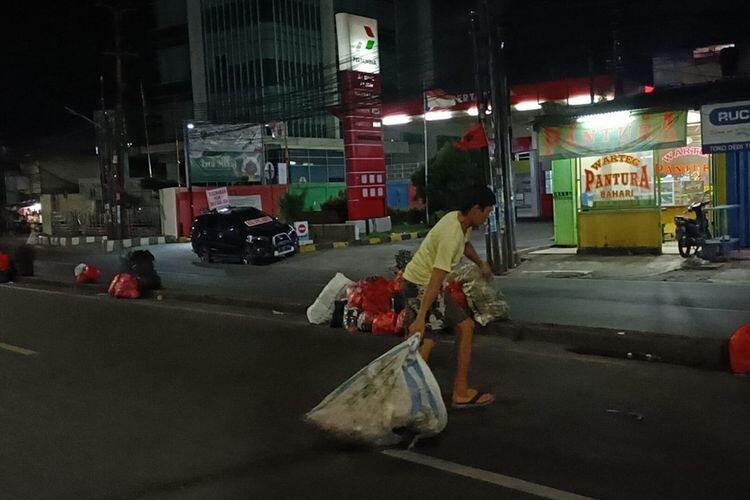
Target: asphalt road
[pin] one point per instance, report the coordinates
(137, 399)
(712, 310)
(693, 309)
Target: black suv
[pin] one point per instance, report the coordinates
(245, 233)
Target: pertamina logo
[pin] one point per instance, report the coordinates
(371, 42)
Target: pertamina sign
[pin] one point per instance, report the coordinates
(358, 43)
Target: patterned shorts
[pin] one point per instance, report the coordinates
(444, 312)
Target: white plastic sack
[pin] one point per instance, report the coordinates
(486, 302)
(321, 310)
(395, 391)
(79, 269)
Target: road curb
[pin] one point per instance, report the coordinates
(380, 240)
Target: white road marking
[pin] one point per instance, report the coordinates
(483, 475)
(17, 350)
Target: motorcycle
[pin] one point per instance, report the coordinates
(691, 234)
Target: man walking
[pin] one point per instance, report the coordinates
(428, 308)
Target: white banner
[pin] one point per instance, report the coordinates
(217, 198)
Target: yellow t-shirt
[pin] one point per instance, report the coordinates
(442, 249)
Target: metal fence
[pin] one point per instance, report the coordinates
(136, 222)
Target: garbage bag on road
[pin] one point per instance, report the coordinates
(739, 350)
(87, 274)
(124, 286)
(140, 263)
(396, 391)
(6, 268)
(321, 310)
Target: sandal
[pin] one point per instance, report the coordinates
(474, 402)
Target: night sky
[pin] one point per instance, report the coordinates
(51, 49)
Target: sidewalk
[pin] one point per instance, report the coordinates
(557, 262)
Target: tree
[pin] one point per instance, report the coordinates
(450, 171)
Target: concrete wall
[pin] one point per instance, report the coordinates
(621, 230)
(269, 195)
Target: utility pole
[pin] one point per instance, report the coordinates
(501, 116)
(145, 131)
(492, 245)
(119, 129)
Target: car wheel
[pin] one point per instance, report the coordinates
(204, 252)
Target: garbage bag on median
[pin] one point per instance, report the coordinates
(321, 311)
(487, 303)
(396, 391)
(124, 286)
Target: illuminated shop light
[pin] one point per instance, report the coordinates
(432, 116)
(601, 120)
(527, 106)
(579, 100)
(396, 119)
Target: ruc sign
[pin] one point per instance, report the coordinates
(358, 43)
(725, 127)
(638, 132)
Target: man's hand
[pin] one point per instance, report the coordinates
(487, 271)
(417, 327)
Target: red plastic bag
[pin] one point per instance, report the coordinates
(376, 295)
(90, 274)
(124, 286)
(739, 350)
(385, 324)
(354, 295)
(4, 261)
(453, 288)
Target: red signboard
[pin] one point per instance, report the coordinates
(363, 145)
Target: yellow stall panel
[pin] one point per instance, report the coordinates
(620, 231)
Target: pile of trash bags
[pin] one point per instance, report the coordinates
(375, 305)
(396, 392)
(137, 278)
